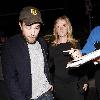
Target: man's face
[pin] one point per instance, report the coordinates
(30, 32)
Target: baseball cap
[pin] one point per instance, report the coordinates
(30, 15)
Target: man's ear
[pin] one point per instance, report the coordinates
(20, 25)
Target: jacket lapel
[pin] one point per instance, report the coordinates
(25, 55)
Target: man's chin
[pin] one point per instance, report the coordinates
(31, 42)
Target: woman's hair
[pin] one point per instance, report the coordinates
(69, 31)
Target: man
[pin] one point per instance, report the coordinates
(24, 62)
(93, 43)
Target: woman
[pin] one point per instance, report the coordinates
(67, 83)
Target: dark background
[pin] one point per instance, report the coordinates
(83, 14)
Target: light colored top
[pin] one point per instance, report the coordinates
(40, 83)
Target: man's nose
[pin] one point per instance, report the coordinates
(33, 33)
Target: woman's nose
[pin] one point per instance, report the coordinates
(61, 28)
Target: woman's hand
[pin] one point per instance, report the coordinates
(85, 87)
(75, 53)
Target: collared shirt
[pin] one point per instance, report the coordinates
(40, 83)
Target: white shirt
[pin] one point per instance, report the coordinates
(40, 83)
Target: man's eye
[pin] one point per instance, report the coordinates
(30, 24)
(37, 28)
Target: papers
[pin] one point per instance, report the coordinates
(84, 59)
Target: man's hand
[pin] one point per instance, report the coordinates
(51, 88)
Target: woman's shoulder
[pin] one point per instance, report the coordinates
(51, 46)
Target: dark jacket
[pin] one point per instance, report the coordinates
(17, 68)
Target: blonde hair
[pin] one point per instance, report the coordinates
(69, 31)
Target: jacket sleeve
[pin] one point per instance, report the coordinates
(89, 46)
(10, 74)
(92, 39)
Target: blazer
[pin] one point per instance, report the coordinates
(17, 68)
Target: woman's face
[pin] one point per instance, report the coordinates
(61, 27)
